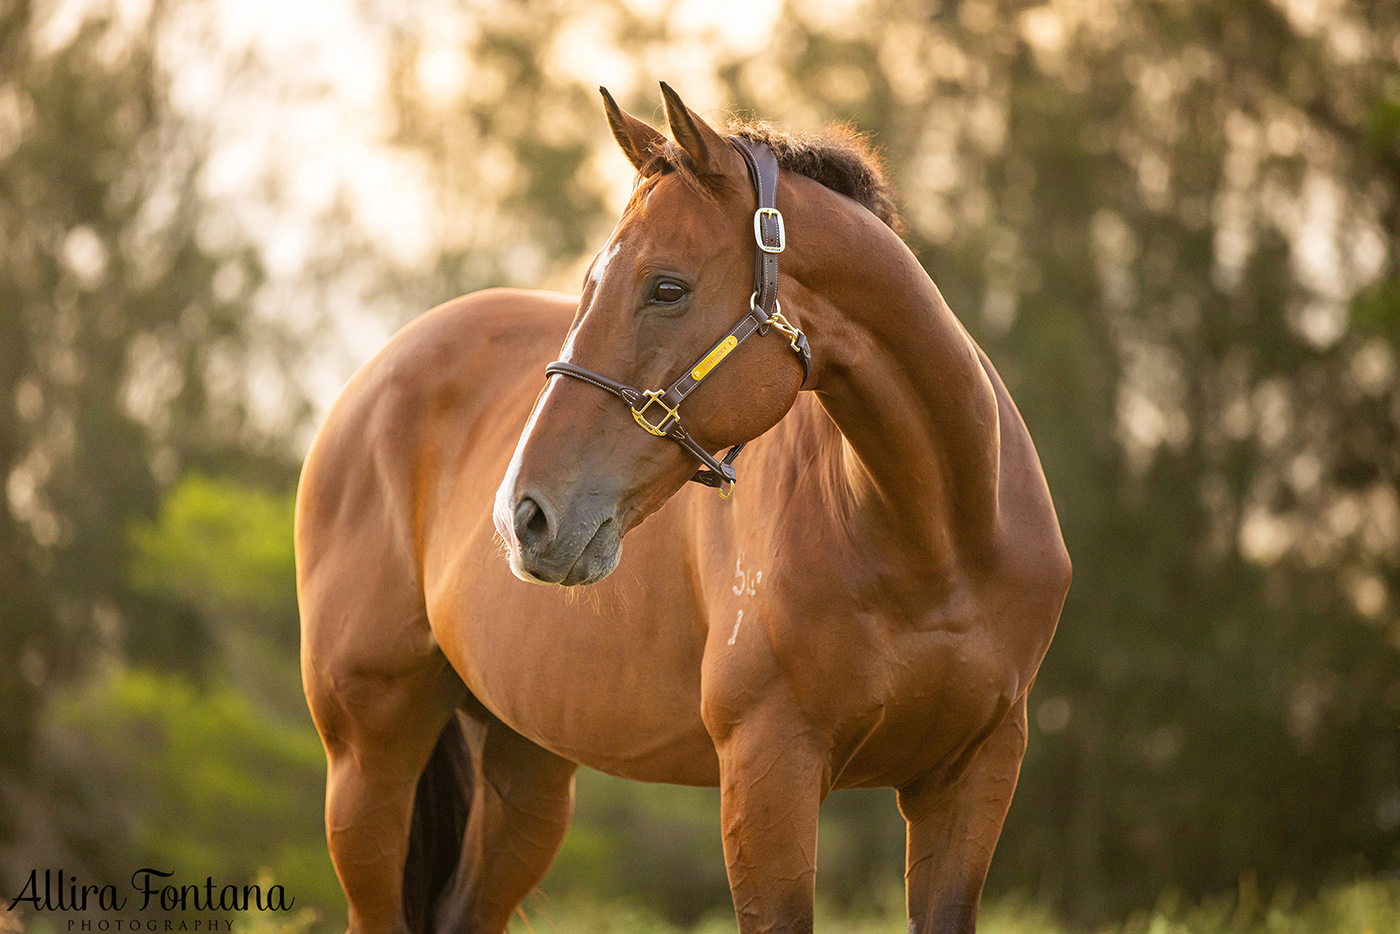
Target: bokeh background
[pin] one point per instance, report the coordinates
(1174, 226)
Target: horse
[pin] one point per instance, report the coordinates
(863, 602)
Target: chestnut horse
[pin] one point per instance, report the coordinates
(869, 609)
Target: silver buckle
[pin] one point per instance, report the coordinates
(758, 230)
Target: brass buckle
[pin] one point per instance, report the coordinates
(758, 230)
(672, 417)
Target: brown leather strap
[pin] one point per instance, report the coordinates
(769, 235)
(718, 474)
(689, 380)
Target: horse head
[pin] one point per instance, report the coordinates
(657, 304)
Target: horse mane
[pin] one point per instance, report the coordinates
(837, 156)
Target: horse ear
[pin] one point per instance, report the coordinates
(637, 139)
(709, 152)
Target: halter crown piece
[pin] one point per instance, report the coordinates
(764, 313)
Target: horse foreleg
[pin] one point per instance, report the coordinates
(379, 731)
(772, 781)
(523, 798)
(953, 829)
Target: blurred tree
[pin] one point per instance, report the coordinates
(221, 775)
(199, 781)
(511, 143)
(222, 545)
(125, 346)
(225, 549)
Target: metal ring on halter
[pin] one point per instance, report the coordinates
(777, 304)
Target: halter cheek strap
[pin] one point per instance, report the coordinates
(657, 411)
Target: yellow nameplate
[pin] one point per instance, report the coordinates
(713, 358)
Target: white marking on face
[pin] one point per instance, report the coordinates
(735, 634)
(601, 265)
(566, 353)
(501, 513)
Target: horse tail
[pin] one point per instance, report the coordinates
(440, 808)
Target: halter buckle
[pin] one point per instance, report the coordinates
(758, 230)
(672, 416)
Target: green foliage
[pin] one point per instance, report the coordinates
(218, 777)
(1378, 309)
(221, 545)
(225, 548)
(1385, 125)
(300, 922)
(657, 847)
(211, 784)
(625, 836)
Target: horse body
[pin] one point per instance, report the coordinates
(869, 610)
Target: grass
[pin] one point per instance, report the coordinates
(1371, 907)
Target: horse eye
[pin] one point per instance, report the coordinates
(667, 292)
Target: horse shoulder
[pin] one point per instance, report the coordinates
(370, 473)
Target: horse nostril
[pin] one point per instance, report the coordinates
(531, 525)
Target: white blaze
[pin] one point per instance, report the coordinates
(602, 264)
(502, 514)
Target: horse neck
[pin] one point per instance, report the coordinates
(899, 376)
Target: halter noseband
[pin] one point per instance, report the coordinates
(764, 312)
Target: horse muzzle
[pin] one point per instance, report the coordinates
(581, 546)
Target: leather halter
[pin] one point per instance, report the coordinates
(764, 313)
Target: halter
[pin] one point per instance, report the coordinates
(764, 312)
